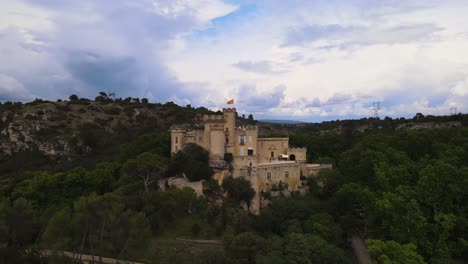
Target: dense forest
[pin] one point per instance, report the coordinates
(404, 191)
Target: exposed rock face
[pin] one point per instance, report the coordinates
(428, 125)
(218, 164)
(61, 129)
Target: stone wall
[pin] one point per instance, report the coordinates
(249, 135)
(181, 183)
(268, 147)
(313, 169)
(241, 165)
(299, 154)
(288, 172)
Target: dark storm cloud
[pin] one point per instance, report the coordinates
(124, 76)
(99, 46)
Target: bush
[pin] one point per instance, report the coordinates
(228, 157)
(196, 228)
(112, 111)
(239, 190)
(192, 162)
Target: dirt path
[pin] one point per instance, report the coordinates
(210, 242)
(86, 259)
(360, 250)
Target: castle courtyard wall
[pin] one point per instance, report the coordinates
(268, 145)
(287, 172)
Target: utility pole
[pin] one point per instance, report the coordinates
(453, 110)
(376, 108)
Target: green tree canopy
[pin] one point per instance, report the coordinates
(193, 162)
(239, 190)
(390, 252)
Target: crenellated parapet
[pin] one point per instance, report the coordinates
(298, 149)
(229, 110)
(213, 118)
(216, 126)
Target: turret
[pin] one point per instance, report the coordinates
(230, 128)
(177, 139)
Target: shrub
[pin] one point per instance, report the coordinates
(196, 228)
(112, 111)
(228, 157)
(239, 190)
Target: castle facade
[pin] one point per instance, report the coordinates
(266, 162)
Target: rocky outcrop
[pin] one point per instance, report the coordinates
(218, 164)
(181, 183)
(63, 129)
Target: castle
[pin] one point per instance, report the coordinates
(266, 162)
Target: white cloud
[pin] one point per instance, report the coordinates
(11, 89)
(339, 57)
(402, 55)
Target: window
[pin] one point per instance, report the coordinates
(250, 152)
(176, 140)
(241, 152)
(227, 140)
(176, 148)
(272, 154)
(250, 164)
(242, 140)
(200, 139)
(286, 174)
(269, 175)
(250, 139)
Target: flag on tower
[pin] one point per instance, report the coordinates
(230, 101)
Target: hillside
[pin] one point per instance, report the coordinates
(81, 176)
(59, 132)
(55, 135)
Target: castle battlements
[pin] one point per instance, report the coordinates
(229, 110)
(298, 149)
(265, 161)
(274, 139)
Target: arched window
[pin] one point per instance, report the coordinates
(292, 157)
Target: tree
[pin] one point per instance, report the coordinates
(73, 97)
(147, 167)
(144, 100)
(103, 97)
(228, 157)
(100, 225)
(400, 218)
(211, 257)
(418, 116)
(390, 252)
(244, 247)
(239, 190)
(322, 225)
(355, 202)
(166, 208)
(18, 223)
(193, 162)
(250, 119)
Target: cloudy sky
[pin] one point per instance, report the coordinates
(306, 60)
